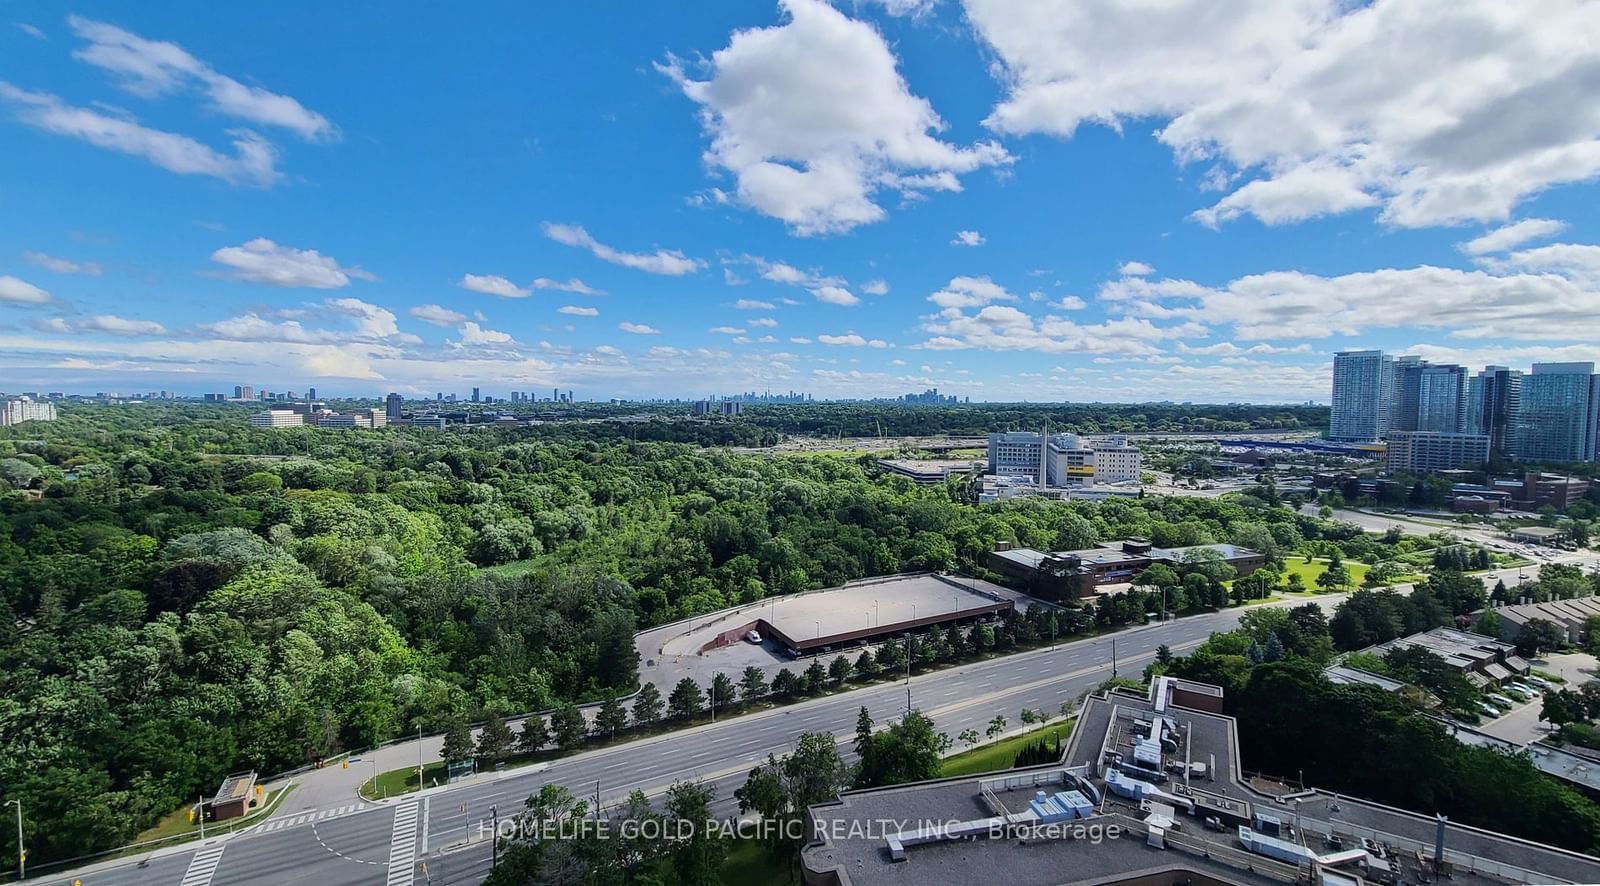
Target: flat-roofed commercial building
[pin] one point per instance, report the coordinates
(1078, 573)
(929, 472)
(1064, 459)
(867, 610)
(1150, 790)
(277, 418)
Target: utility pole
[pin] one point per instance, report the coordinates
(199, 813)
(419, 757)
(22, 854)
(1113, 657)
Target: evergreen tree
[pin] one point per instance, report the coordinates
(494, 739)
(686, 700)
(753, 685)
(569, 727)
(611, 718)
(535, 735)
(457, 741)
(647, 706)
(722, 692)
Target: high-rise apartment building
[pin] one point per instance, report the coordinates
(391, 406)
(475, 397)
(1440, 398)
(1361, 383)
(1558, 415)
(1493, 398)
(25, 409)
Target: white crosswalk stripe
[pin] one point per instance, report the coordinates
(308, 817)
(403, 845)
(203, 866)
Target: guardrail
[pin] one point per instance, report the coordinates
(223, 828)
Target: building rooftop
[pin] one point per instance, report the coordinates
(985, 830)
(1538, 531)
(235, 787)
(1460, 649)
(895, 602)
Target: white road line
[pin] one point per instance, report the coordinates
(203, 866)
(403, 845)
(427, 804)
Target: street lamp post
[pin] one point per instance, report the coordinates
(494, 836)
(22, 854)
(908, 673)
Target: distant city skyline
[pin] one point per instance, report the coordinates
(995, 198)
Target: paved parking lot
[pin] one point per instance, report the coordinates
(1521, 724)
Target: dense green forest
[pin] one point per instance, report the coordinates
(182, 596)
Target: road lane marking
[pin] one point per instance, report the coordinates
(203, 866)
(403, 845)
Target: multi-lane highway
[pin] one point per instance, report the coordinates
(325, 834)
(388, 842)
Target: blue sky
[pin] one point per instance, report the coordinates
(1006, 199)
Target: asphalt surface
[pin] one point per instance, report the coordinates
(361, 847)
(447, 828)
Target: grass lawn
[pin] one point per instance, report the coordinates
(749, 861)
(1309, 572)
(176, 823)
(401, 781)
(1001, 754)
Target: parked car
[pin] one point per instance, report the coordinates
(1498, 699)
(1540, 682)
(753, 637)
(1489, 709)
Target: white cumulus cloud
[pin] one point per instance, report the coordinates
(638, 328)
(263, 261)
(493, 284)
(813, 120)
(438, 315)
(967, 238)
(1315, 107)
(1513, 235)
(669, 262)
